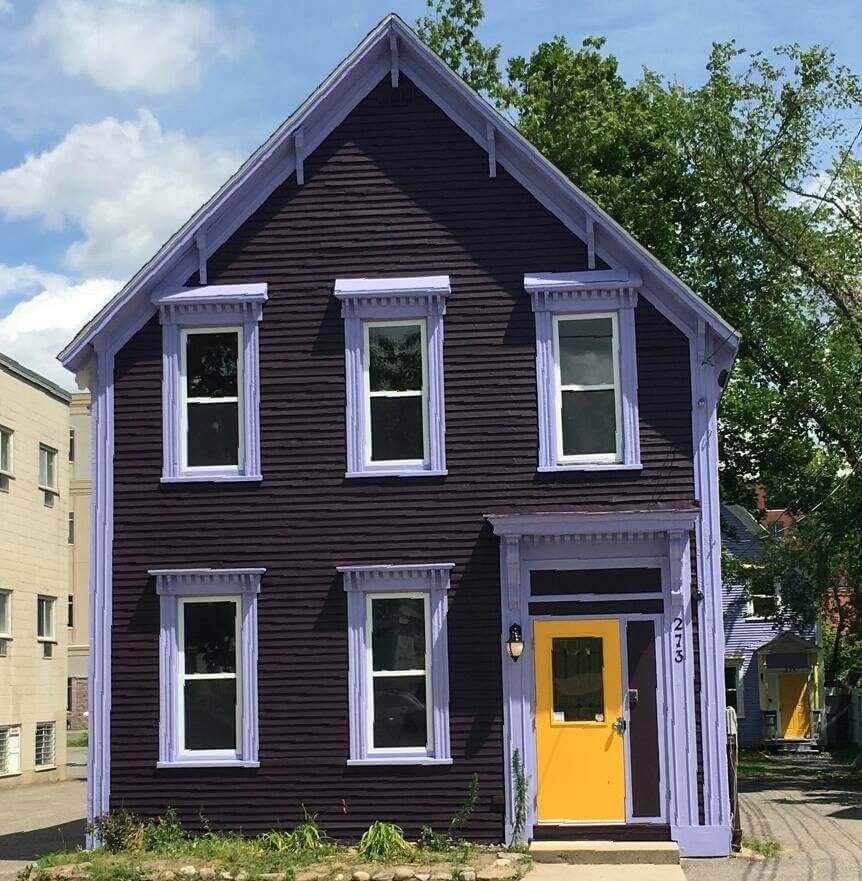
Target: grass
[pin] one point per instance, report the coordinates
(78, 738)
(834, 771)
(765, 847)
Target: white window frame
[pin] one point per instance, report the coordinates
(749, 604)
(46, 766)
(183, 677)
(559, 388)
(738, 664)
(368, 394)
(6, 735)
(185, 400)
(52, 605)
(9, 434)
(411, 751)
(6, 619)
(49, 452)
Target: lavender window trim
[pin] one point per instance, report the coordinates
(212, 306)
(359, 581)
(567, 293)
(171, 585)
(376, 299)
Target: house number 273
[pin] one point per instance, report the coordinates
(678, 653)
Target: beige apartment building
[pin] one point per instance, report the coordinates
(44, 562)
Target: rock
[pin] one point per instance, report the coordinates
(225, 875)
(207, 872)
(307, 875)
(467, 874)
(382, 875)
(402, 873)
(440, 875)
(423, 876)
(494, 873)
(167, 875)
(280, 876)
(338, 877)
(359, 875)
(188, 871)
(242, 876)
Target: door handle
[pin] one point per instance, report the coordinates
(620, 725)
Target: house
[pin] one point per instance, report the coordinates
(343, 563)
(773, 674)
(37, 592)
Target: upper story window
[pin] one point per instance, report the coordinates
(208, 672)
(393, 331)
(5, 614)
(71, 444)
(586, 370)
(5, 457)
(48, 478)
(46, 624)
(398, 659)
(763, 600)
(211, 396)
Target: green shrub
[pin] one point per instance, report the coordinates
(434, 841)
(164, 834)
(305, 836)
(383, 841)
(118, 831)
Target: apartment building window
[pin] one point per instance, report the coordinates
(5, 458)
(45, 746)
(10, 749)
(71, 444)
(70, 611)
(5, 620)
(48, 473)
(69, 686)
(45, 631)
(71, 527)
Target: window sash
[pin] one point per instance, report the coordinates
(372, 674)
(367, 326)
(183, 677)
(186, 400)
(6, 464)
(5, 614)
(47, 468)
(45, 618)
(45, 745)
(560, 387)
(10, 749)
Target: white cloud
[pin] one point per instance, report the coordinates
(6, 6)
(37, 329)
(127, 185)
(151, 46)
(23, 279)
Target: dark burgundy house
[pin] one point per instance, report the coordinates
(405, 468)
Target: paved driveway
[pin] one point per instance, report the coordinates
(818, 824)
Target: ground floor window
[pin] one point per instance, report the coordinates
(733, 693)
(45, 745)
(208, 672)
(399, 679)
(10, 749)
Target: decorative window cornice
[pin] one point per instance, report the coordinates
(212, 304)
(382, 299)
(432, 576)
(602, 291)
(172, 582)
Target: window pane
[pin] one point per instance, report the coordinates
(5, 453)
(213, 434)
(43, 466)
(396, 429)
(400, 717)
(44, 744)
(210, 708)
(577, 675)
(395, 358)
(4, 612)
(589, 423)
(586, 352)
(398, 634)
(45, 618)
(51, 458)
(211, 364)
(210, 637)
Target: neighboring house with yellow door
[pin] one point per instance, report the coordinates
(773, 675)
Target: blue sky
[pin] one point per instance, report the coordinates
(119, 117)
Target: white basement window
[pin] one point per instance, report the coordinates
(10, 749)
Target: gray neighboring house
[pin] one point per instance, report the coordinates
(773, 675)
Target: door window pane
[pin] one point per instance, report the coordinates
(589, 422)
(211, 364)
(210, 637)
(586, 352)
(400, 712)
(395, 357)
(210, 714)
(577, 664)
(213, 434)
(396, 428)
(398, 634)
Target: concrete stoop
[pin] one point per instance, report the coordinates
(592, 872)
(606, 853)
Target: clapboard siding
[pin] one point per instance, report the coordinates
(397, 188)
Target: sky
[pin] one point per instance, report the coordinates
(119, 118)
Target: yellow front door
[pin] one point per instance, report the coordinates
(793, 701)
(580, 754)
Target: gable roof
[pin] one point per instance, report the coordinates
(741, 535)
(25, 374)
(390, 48)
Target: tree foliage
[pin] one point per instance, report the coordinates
(749, 187)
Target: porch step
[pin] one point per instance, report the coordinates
(609, 853)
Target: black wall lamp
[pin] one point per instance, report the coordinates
(515, 642)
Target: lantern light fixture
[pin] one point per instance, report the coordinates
(515, 642)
